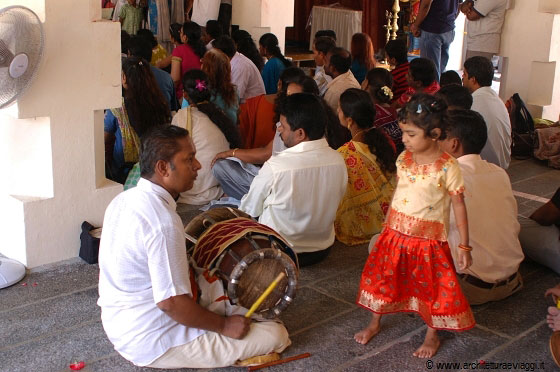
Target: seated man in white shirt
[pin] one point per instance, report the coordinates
(298, 190)
(321, 47)
(492, 212)
(149, 304)
(477, 78)
(337, 66)
(244, 74)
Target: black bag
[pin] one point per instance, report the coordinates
(522, 128)
(89, 247)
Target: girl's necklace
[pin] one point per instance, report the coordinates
(358, 133)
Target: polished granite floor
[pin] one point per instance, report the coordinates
(50, 319)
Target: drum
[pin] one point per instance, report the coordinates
(246, 255)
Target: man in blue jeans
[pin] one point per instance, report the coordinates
(435, 25)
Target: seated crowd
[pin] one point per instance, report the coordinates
(351, 152)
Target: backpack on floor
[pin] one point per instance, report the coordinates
(522, 128)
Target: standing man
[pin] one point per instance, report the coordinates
(494, 274)
(150, 309)
(484, 26)
(297, 191)
(435, 25)
(478, 73)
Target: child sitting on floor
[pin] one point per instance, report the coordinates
(422, 78)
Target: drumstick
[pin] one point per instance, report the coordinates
(265, 294)
(281, 361)
(190, 238)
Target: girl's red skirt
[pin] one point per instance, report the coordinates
(407, 273)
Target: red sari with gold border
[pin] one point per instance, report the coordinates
(410, 268)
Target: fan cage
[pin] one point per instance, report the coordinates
(21, 31)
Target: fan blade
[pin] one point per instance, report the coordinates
(6, 56)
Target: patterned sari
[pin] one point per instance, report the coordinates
(130, 140)
(361, 212)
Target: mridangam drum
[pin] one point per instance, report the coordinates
(246, 255)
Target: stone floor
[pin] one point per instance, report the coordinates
(50, 319)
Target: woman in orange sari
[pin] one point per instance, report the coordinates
(370, 160)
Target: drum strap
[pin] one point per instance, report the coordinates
(194, 285)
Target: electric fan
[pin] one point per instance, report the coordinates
(21, 49)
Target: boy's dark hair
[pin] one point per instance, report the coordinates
(139, 47)
(397, 49)
(423, 70)
(328, 33)
(427, 113)
(456, 96)
(481, 69)
(305, 111)
(324, 44)
(148, 36)
(289, 75)
(125, 37)
(340, 59)
(226, 45)
(469, 128)
(308, 85)
(214, 29)
(450, 77)
(160, 143)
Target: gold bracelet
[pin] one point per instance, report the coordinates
(233, 152)
(467, 248)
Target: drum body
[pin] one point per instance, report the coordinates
(246, 255)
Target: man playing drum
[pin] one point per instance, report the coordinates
(148, 294)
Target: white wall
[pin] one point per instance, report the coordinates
(261, 16)
(51, 141)
(531, 47)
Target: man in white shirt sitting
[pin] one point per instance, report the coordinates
(492, 214)
(244, 74)
(337, 66)
(298, 190)
(147, 291)
(477, 78)
(321, 47)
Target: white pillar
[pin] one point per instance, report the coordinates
(259, 17)
(531, 47)
(51, 140)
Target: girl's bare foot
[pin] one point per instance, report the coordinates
(430, 346)
(553, 318)
(371, 330)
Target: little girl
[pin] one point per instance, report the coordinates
(410, 268)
